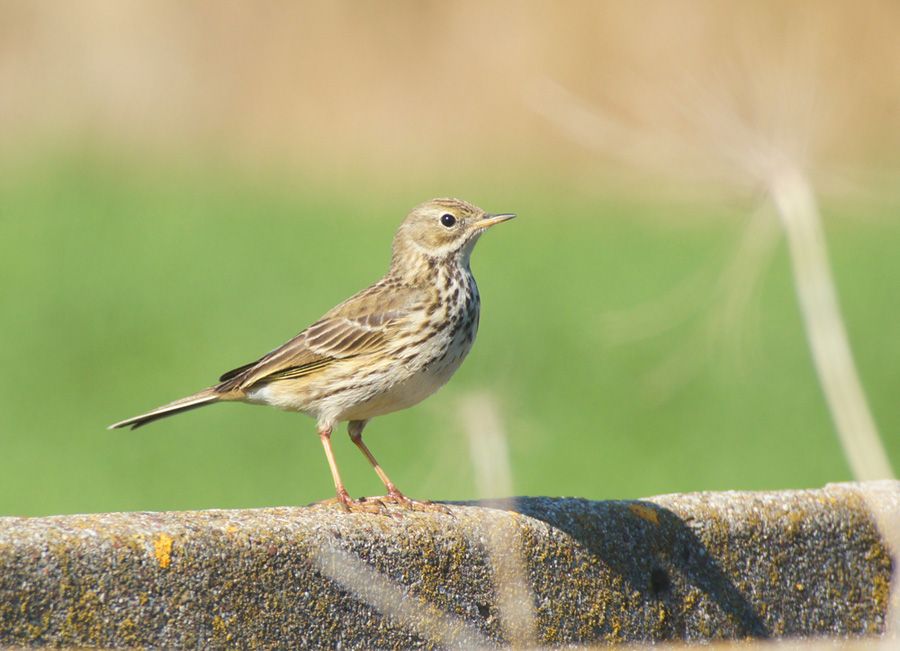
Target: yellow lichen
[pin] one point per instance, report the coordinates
(689, 601)
(220, 630)
(881, 591)
(162, 549)
(615, 633)
(662, 615)
(83, 624)
(644, 513)
(127, 631)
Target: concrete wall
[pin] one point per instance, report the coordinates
(540, 570)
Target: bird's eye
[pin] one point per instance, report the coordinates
(448, 220)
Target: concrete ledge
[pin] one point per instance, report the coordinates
(550, 571)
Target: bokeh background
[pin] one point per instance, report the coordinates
(183, 186)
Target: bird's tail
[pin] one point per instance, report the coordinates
(199, 399)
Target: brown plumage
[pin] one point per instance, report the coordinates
(386, 348)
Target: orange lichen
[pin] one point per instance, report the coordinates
(162, 549)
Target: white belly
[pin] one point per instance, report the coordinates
(404, 394)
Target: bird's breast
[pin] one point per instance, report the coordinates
(457, 326)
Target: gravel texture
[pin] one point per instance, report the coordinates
(545, 571)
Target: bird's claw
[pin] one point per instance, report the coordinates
(349, 505)
(410, 504)
(381, 505)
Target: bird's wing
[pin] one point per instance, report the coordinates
(360, 325)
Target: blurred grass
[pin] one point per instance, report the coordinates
(123, 286)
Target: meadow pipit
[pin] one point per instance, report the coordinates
(386, 348)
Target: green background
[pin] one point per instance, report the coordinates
(126, 285)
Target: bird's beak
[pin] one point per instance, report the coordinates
(489, 220)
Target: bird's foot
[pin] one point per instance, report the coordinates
(396, 497)
(350, 505)
(380, 505)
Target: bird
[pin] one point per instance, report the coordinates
(386, 348)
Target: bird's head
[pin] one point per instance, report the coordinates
(442, 229)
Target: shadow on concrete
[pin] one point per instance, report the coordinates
(654, 551)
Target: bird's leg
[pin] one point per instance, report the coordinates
(355, 429)
(342, 495)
